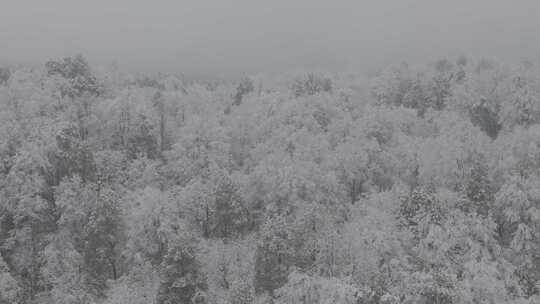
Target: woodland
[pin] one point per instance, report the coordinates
(418, 184)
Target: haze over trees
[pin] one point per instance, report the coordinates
(418, 185)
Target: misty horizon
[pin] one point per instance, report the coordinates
(244, 37)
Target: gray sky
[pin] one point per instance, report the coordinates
(250, 36)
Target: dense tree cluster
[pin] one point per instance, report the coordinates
(419, 185)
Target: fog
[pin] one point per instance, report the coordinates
(247, 36)
(291, 157)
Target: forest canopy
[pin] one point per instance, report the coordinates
(417, 185)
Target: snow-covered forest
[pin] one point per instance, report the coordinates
(420, 184)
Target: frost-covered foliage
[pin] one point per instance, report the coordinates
(419, 185)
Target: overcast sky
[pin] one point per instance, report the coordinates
(250, 36)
